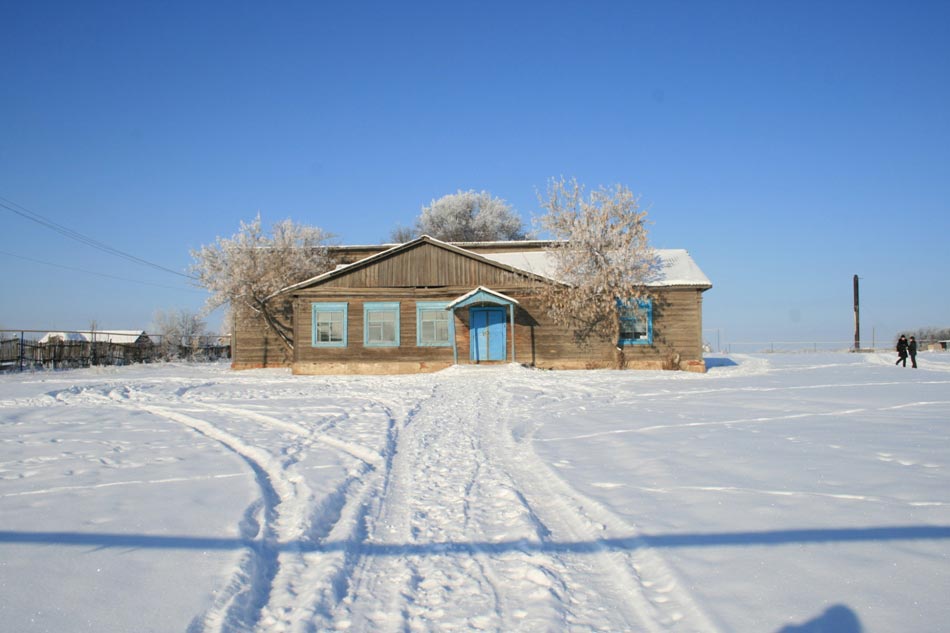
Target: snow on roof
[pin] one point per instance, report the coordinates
(77, 337)
(536, 261)
(678, 269)
(100, 336)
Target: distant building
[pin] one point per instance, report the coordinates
(116, 337)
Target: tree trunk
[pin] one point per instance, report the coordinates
(276, 326)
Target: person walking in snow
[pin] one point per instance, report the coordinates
(912, 350)
(902, 350)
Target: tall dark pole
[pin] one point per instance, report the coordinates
(857, 317)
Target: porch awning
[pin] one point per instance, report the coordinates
(481, 295)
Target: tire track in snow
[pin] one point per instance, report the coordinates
(314, 593)
(238, 606)
(314, 563)
(283, 578)
(638, 579)
(417, 506)
(361, 453)
(314, 568)
(467, 530)
(305, 578)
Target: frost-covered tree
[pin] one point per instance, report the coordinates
(465, 216)
(247, 269)
(178, 328)
(928, 334)
(402, 234)
(602, 256)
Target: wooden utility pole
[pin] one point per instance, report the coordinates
(857, 317)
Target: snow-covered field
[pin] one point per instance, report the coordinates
(774, 493)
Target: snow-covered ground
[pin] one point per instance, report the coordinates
(774, 493)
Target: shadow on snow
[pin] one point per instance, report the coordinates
(725, 539)
(837, 619)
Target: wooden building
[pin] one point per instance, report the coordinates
(426, 305)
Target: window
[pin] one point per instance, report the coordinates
(434, 324)
(329, 324)
(636, 322)
(381, 324)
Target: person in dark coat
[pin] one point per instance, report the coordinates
(902, 351)
(912, 350)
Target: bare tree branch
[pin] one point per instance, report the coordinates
(247, 269)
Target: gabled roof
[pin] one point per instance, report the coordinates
(399, 248)
(677, 267)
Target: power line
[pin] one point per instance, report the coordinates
(83, 239)
(91, 272)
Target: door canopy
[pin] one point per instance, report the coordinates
(482, 296)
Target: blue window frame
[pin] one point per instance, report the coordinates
(329, 324)
(435, 326)
(636, 322)
(381, 324)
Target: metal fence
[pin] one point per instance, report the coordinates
(21, 350)
(716, 344)
(769, 347)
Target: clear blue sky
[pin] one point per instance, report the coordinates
(787, 146)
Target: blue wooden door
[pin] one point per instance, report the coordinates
(488, 337)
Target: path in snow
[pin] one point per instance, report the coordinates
(448, 522)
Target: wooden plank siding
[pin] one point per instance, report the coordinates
(356, 351)
(426, 271)
(539, 341)
(253, 345)
(356, 357)
(426, 266)
(677, 337)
